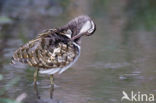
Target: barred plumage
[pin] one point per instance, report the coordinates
(49, 50)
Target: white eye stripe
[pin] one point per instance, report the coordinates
(89, 27)
(92, 27)
(85, 27)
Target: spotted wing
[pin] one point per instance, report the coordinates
(49, 50)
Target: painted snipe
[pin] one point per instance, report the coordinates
(55, 50)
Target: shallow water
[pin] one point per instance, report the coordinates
(113, 60)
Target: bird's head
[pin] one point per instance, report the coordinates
(78, 27)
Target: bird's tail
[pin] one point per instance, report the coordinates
(13, 61)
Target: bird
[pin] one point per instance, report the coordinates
(55, 50)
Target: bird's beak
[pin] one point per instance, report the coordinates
(77, 36)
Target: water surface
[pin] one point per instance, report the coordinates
(118, 57)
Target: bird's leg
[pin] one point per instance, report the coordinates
(52, 86)
(35, 83)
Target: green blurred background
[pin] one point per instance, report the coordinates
(121, 55)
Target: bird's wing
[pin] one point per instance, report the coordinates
(24, 53)
(48, 50)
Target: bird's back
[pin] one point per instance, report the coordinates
(50, 50)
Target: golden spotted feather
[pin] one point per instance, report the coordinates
(49, 50)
